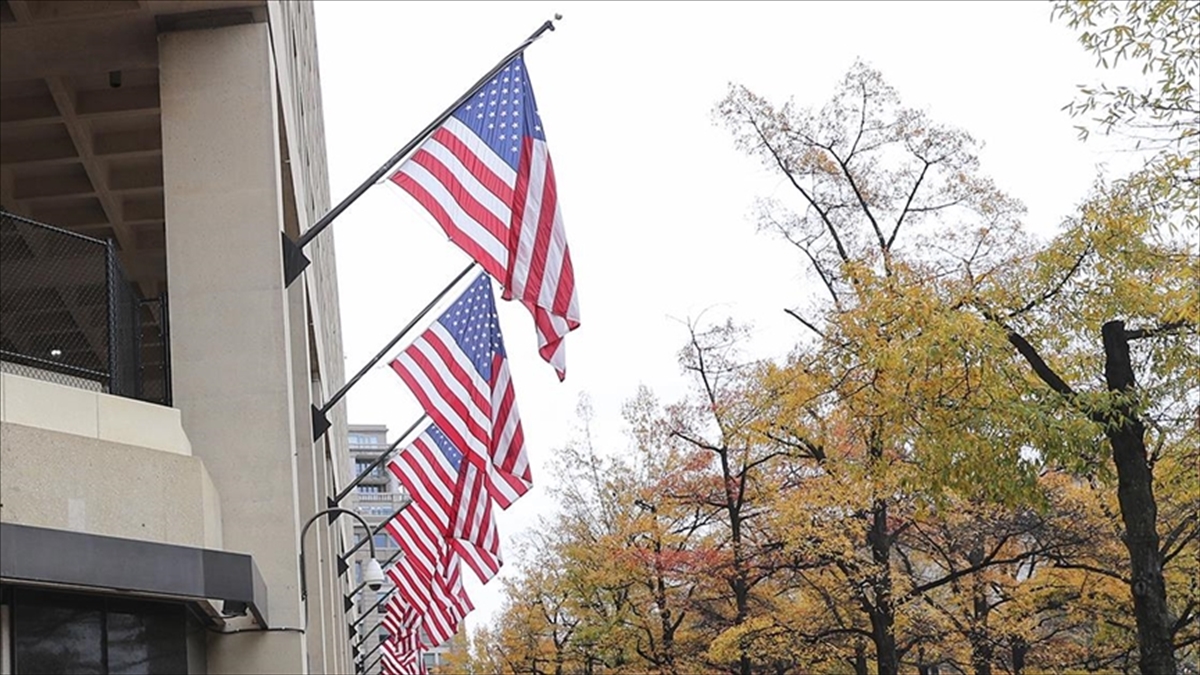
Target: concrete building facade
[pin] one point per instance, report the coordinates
(162, 533)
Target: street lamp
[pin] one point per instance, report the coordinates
(372, 573)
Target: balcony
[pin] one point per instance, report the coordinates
(379, 476)
(396, 498)
(69, 315)
(377, 506)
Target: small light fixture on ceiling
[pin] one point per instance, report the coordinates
(56, 352)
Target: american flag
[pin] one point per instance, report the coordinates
(432, 472)
(402, 648)
(400, 618)
(430, 565)
(399, 659)
(458, 370)
(441, 602)
(486, 177)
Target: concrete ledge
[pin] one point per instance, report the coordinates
(68, 410)
(73, 482)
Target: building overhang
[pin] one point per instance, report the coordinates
(93, 563)
(80, 117)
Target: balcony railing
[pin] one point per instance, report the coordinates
(69, 315)
(384, 497)
(378, 473)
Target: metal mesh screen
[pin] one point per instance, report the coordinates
(124, 330)
(53, 302)
(69, 315)
(155, 380)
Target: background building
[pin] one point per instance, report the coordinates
(376, 498)
(156, 462)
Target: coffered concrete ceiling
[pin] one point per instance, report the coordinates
(80, 126)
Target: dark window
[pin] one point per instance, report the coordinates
(68, 634)
(57, 639)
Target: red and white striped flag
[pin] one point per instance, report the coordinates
(486, 177)
(458, 370)
(441, 601)
(444, 490)
(402, 648)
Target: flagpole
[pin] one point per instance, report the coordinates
(362, 639)
(333, 501)
(367, 632)
(320, 421)
(294, 260)
(342, 564)
(374, 662)
(382, 597)
(366, 656)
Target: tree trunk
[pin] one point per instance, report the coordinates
(667, 654)
(981, 653)
(981, 639)
(741, 576)
(742, 596)
(1019, 649)
(883, 614)
(1135, 491)
(924, 667)
(860, 659)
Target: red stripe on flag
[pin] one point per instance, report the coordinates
(462, 195)
(462, 239)
(477, 167)
(444, 423)
(545, 228)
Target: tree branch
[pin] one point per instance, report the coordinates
(989, 561)
(1158, 330)
(815, 452)
(817, 637)
(937, 207)
(704, 445)
(792, 179)
(1058, 562)
(1175, 541)
(862, 202)
(1040, 367)
(804, 321)
(1185, 617)
(1057, 288)
(826, 277)
(892, 239)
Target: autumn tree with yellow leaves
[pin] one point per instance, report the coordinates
(981, 456)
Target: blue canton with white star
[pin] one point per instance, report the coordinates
(474, 326)
(504, 112)
(452, 454)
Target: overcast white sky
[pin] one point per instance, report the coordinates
(655, 199)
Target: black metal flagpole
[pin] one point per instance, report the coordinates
(294, 260)
(362, 640)
(320, 421)
(333, 501)
(342, 564)
(377, 659)
(382, 597)
(366, 656)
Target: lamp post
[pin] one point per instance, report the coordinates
(372, 574)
